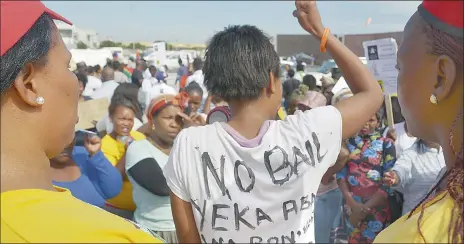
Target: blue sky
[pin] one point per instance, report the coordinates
(196, 21)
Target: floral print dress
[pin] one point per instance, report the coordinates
(370, 157)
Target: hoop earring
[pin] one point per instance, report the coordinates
(40, 100)
(433, 99)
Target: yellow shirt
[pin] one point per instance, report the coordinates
(434, 224)
(114, 151)
(40, 216)
(281, 113)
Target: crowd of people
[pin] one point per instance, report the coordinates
(284, 162)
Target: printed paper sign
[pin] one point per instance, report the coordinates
(381, 57)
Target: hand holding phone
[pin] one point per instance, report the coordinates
(126, 140)
(92, 143)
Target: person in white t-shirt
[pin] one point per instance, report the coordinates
(403, 139)
(198, 77)
(157, 90)
(254, 179)
(93, 83)
(149, 82)
(146, 73)
(399, 133)
(108, 85)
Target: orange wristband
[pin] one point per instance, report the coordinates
(324, 39)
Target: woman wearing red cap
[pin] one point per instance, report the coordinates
(39, 97)
(430, 89)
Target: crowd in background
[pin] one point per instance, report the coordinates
(229, 153)
(384, 171)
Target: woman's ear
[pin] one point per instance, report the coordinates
(26, 84)
(446, 72)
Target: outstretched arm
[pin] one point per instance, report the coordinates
(368, 97)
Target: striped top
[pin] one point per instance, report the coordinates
(418, 171)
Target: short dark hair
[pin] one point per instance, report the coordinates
(291, 73)
(82, 78)
(81, 64)
(120, 100)
(130, 92)
(197, 64)
(299, 67)
(33, 48)
(310, 81)
(152, 67)
(116, 65)
(238, 62)
(194, 87)
(336, 74)
(142, 63)
(97, 68)
(90, 69)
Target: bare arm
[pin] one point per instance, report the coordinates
(338, 166)
(206, 106)
(121, 165)
(345, 192)
(368, 98)
(367, 92)
(378, 199)
(183, 217)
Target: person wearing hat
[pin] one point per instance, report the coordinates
(430, 91)
(39, 97)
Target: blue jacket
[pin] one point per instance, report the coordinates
(99, 179)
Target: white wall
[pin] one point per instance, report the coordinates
(72, 35)
(89, 37)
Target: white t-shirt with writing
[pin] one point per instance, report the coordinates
(260, 190)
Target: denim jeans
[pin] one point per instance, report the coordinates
(327, 214)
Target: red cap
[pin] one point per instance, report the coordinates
(446, 16)
(17, 17)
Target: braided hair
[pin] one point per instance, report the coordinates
(441, 43)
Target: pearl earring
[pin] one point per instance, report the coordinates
(40, 100)
(153, 127)
(433, 99)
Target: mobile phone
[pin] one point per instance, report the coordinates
(126, 140)
(80, 135)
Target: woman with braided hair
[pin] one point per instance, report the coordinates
(430, 89)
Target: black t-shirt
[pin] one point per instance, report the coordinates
(137, 76)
